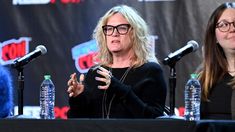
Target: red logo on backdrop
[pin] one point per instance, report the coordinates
(12, 49)
(83, 55)
(61, 112)
(181, 111)
(86, 61)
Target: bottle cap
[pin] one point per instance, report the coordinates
(47, 77)
(194, 75)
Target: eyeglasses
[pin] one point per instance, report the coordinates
(122, 29)
(224, 26)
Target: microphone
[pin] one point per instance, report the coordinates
(39, 50)
(177, 55)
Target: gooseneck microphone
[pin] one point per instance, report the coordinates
(39, 50)
(177, 55)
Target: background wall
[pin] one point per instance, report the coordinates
(61, 25)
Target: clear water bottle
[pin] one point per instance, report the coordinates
(192, 97)
(47, 98)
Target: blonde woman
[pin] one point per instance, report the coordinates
(128, 82)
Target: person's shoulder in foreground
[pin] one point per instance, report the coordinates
(6, 95)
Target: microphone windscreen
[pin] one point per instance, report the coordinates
(194, 44)
(42, 48)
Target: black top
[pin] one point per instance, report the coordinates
(141, 95)
(219, 106)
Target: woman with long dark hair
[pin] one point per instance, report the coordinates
(217, 75)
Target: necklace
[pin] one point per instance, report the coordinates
(105, 110)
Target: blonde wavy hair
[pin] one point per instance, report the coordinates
(139, 36)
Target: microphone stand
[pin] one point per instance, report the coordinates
(20, 90)
(172, 85)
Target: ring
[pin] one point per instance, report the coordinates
(110, 74)
(108, 82)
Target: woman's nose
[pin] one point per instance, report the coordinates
(115, 32)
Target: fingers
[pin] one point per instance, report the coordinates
(81, 78)
(71, 94)
(104, 72)
(108, 82)
(73, 75)
(70, 91)
(106, 79)
(75, 87)
(103, 69)
(72, 79)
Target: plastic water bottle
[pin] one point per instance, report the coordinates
(192, 95)
(47, 98)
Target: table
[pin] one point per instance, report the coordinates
(114, 125)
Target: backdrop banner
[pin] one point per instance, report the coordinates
(65, 28)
